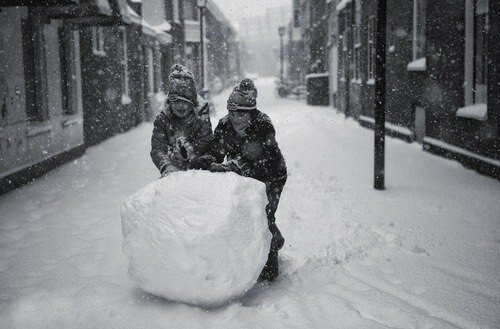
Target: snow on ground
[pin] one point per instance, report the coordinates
(424, 253)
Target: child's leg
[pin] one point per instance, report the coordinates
(273, 191)
(271, 269)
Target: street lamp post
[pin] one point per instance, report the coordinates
(201, 5)
(281, 31)
(379, 156)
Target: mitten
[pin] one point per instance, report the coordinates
(219, 167)
(202, 162)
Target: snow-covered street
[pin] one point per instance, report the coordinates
(424, 253)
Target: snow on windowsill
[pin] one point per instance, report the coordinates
(317, 75)
(100, 53)
(476, 112)
(165, 26)
(39, 129)
(370, 81)
(417, 65)
(126, 99)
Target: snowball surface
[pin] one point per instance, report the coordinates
(197, 237)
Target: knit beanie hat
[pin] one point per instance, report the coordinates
(180, 72)
(243, 97)
(181, 85)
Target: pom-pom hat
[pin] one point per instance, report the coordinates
(181, 85)
(243, 97)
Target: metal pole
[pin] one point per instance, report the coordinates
(202, 55)
(380, 96)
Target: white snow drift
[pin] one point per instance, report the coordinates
(197, 237)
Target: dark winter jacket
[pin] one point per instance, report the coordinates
(257, 153)
(197, 130)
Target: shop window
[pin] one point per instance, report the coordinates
(175, 5)
(68, 70)
(125, 76)
(98, 41)
(296, 13)
(150, 70)
(418, 29)
(35, 68)
(190, 10)
(342, 57)
(371, 47)
(357, 63)
(157, 71)
(357, 41)
(476, 55)
(357, 24)
(481, 52)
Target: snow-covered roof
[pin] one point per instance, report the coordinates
(342, 4)
(476, 111)
(134, 17)
(164, 26)
(214, 9)
(155, 31)
(417, 65)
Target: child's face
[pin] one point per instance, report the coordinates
(181, 109)
(240, 120)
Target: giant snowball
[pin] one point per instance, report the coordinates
(197, 237)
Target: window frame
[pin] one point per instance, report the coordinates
(471, 85)
(371, 46)
(418, 29)
(125, 80)
(98, 41)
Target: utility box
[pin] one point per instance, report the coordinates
(318, 89)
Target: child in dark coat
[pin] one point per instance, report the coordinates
(181, 137)
(246, 137)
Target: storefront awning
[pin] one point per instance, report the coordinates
(94, 12)
(37, 3)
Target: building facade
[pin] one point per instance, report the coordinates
(41, 85)
(442, 80)
(442, 70)
(74, 73)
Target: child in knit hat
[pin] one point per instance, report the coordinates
(181, 138)
(181, 73)
(246, 137)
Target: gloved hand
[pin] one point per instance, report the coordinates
(238, 166)
(167, 170)
(183, 149)
(202, 162)
(219, 167)
(277, 241)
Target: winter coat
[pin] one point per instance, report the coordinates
(257, 154)
(168, 128)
